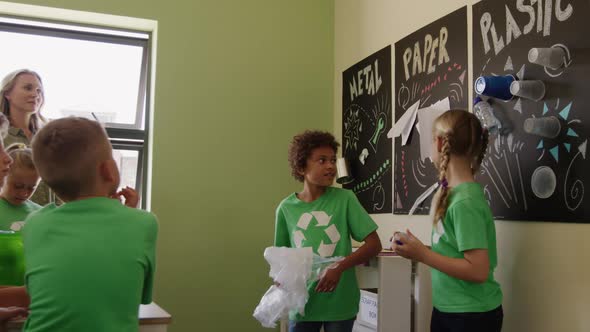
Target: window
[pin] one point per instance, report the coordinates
(129, 158)
(93, 72)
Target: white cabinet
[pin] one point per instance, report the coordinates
(404, 293)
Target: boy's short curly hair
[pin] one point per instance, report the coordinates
(303, 144)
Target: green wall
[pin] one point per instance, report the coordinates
(235, 81)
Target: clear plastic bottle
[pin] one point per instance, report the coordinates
(485, 113)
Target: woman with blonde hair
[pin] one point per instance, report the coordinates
(22, 98)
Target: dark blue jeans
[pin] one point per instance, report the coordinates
(333, 326)
(489, 321)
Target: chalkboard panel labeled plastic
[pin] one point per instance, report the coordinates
(536, 169)
(366, 119)
(430, 76)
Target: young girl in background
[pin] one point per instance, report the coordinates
(13, 300)
(465, 295)
(19, 186)
(15, 206)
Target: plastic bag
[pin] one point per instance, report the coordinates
(292, 270)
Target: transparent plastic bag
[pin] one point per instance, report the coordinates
(274, 305)
(293, 270)
(320, 265)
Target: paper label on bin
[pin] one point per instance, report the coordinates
(368, 310)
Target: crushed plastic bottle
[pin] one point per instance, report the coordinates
(485, 113)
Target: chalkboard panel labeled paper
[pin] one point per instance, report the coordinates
(537, 169)
(366, 119)
(430, 77)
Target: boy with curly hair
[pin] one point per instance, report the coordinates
(325, 218)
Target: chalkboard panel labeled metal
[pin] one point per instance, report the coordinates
(366, 119)
(430, 76)
(536, 168)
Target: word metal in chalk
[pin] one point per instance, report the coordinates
(369, 78)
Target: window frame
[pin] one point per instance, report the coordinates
(138, 146)
(111, 29)
(35, 28)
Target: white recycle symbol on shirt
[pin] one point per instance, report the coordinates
(323, 220)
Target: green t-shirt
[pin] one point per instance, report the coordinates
(13, 213)
(12, 256)
(468, 225)
(89, 264)
(12, 260)
(326, 225)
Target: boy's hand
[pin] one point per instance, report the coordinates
(130, 195)
(11, 312)
(408, 246)
(329, 279)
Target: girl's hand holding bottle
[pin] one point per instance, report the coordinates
(408, 246)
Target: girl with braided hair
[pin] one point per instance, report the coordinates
(465, 295)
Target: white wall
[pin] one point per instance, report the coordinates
(544, 268)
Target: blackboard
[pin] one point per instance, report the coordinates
(366, 119)
(430, 66)
(527, 177)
